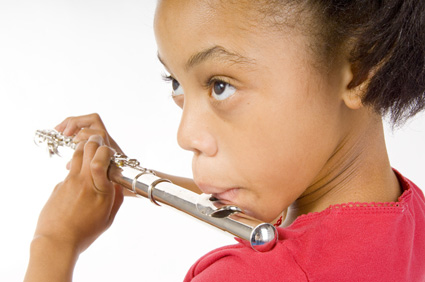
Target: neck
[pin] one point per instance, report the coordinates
(357, 171)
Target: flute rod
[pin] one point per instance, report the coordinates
(188, 202)
(143, 182)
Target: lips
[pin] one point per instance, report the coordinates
(222, 194)
(228, 196)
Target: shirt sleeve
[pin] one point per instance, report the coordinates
(240, 263)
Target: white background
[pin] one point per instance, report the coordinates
(61, 58)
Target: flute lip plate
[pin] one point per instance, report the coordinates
(225, 211)
(211, 206)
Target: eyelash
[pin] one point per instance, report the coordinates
(167, 78)
(207, 85)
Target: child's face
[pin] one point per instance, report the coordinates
(263, 135)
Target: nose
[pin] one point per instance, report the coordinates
(195, 130)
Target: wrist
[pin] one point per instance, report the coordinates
(51, 260)
(51, 243)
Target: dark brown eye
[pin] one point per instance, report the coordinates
(219, 87)
(177, 89)
(222, 90)
(176, 84)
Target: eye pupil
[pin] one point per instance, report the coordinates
(219, 87)
(222, 90)
(175, 84)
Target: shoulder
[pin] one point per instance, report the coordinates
(360, 241)
(240, 263)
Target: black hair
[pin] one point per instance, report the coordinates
(389, 47)
(386, 42)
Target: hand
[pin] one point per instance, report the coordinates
(85, 126)
(84, 205)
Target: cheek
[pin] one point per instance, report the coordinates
(285, 137)
(279, 148)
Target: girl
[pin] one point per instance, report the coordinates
(282, 105)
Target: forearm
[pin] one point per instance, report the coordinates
(187, 183)
(181, 181)
(50, 261)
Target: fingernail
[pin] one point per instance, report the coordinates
(65, 131)
(97, 139)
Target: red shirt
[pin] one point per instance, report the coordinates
(349, 242)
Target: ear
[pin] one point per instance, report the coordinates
(352, 95)
(353, 98)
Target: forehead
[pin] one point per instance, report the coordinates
(183, 27)
(222, 16)
(212, 6)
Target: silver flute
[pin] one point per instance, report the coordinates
(143, 182)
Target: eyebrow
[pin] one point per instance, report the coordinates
(215, 53)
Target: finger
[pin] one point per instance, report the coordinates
(75, 124)
(99, 170)
(77, 158)
(85, 133)
(90, 148)
(114, 173)
(72, 125)
(61, 126)
(114, 145)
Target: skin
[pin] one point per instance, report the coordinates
(80, 208)
(291, 136)
(288, 137)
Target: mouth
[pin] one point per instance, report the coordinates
(224, 195)
(228, 196)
